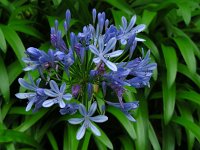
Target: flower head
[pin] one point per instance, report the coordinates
(37, 96)
(102, 52)
(87, 120)
(58, 95)
(126, 109)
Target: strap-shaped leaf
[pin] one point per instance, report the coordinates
(171, 63)
(3, 45)
(4, 85)
(15, 42)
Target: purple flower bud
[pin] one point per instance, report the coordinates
(75, 90)
(89, 90)
(94, 14)
(106, 24)
(104, 87)
(68, 18)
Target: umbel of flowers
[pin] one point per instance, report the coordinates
(78, 66)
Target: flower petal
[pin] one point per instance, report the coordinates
(99, 118)
(92, 109)
(94, 49)
(95, 130)
(54, 86)
(101, 44)
(114, 54)
(61, 104)
(110, 45)
(50, 93)
(96, 60)
(24, 95)
(139, 28)
(48, 103)
(80, 132)
(132, 23)
(110, 65)
(124, 22)
(82, 110)
(30, 104)
(62, 88)
(26, 85)
(75, 120)
(67, 96)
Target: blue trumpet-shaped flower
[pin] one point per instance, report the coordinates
(69, 109)
(102, 53)
(126, 109)
(58, 95)
(87, 120)
(37, 96)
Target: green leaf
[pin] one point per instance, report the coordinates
(86, 141)
(52, 140)
(104, 139)
(16, 136)
(141, 126)
(19, 111)
(193, 127)
(187, 53)
(189, 95)
(69, 140)
(187, 113)
(14, 70)
(122, 5)
(192, 76)
(127, 143)
(171, 63)
(27, 29)
(123, 120)
(3, 45)
(100, 145)
(15, 42)
(169, 97)
(117, 15)
(153, 138)
(4, 86)
(147, 17)
(168, 141)
(30, 121)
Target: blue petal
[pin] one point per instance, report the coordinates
(110, 65)
(95, 130)
(67, 96)
(124, 22)
(26, 85)
(110, 45)
(48, 103)
(54, 86)
(75, 120)
(61, 104)
(130, 117)
(114, 54)
(132, 23)
(101, 44)
(62, 88)
(82, 110)
(24, 95)
(99, 118)
(139, 28)
(30, 104)
(81, 132)
(96, 60)
(94, 49)
(92, 109)
(50, 93)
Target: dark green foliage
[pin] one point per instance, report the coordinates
(169, 113)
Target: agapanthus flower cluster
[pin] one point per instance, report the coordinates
(79, 66)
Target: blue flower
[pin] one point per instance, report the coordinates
(87, 120)
(102, 53)
(126, 31)
(140, 69)
(37, 96)
(69, 109)
(58, 95)
(56, 38)
(126, 109)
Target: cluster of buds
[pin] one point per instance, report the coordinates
(79, 66)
